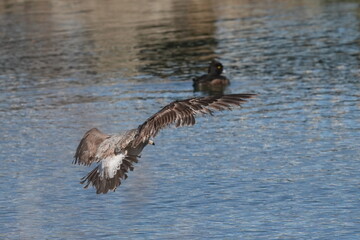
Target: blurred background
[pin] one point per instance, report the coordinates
(284, 166)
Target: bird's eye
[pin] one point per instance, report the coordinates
(219, 67)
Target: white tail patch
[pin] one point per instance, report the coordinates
(110, 165)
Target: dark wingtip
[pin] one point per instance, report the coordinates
(76, 160)
(244, 95)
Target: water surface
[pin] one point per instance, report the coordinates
(285, 166)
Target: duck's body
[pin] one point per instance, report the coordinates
(213, 77)
(116, 153)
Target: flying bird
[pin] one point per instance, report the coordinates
(116, 154)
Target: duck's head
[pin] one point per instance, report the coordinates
(215, 67)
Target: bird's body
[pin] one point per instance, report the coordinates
(115, 154)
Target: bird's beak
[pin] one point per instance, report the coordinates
(151, 142)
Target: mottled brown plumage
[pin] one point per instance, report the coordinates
(89, 144)
(182, 113)
(117, 153)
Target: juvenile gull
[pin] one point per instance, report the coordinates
(115, 154)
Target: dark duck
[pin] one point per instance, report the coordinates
(213, 79)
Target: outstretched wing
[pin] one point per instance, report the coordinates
(89, 144)
(182, 113)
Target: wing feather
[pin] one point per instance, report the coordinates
(103, 182)
(182, 113)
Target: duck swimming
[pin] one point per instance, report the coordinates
(213, 77)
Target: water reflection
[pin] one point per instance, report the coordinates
(59, 40)
(210, 90)
(189, 32)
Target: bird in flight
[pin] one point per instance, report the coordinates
(115, 154)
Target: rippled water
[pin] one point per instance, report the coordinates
(285, 166)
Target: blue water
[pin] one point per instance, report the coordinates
(284, 166)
